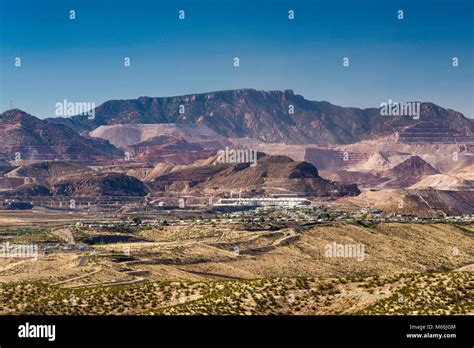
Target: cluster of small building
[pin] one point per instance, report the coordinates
(273, 209)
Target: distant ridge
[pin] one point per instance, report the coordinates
(270, 116)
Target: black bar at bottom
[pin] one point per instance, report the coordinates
(228, 330)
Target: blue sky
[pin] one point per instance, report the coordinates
(82, 59)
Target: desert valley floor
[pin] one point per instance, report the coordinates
(226, 266)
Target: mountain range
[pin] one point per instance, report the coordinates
(208, 120)
(270, 116)
(155, 146)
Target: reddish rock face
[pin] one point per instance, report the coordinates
(413, 166)
(168, 149)
(105, 184)
(35, 139)
(409, 172)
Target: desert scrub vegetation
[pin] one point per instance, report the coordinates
(270, 296)
(258, 296)
(429, 294)
(404, 293)
(31, 236)
(39, 298)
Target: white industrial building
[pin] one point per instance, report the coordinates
(287, 202)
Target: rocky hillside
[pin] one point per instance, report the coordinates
(431, 133)
(4, 167)
(409, 172)
(123, 135)
(271, 174)
(49, 170)
(445, 182)
(413, 166)
(104, 184)
(34, 139)
(168, 149)
(270, 116)
(421, 203)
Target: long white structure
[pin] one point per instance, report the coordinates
(287, 202)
